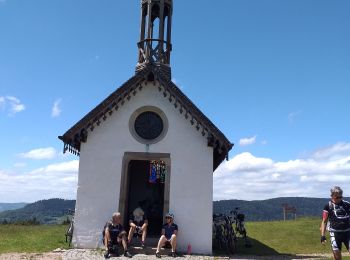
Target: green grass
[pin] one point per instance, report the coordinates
(32, 239)
(268, 238)
(301, 236)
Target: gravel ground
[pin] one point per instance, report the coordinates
(85, 254)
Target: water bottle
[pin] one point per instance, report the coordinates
(189, 249)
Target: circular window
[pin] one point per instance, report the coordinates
(148, 125)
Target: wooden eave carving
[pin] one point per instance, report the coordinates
(215, 138)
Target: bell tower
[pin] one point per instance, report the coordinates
(155, 34)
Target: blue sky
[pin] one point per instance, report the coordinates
(273, 75)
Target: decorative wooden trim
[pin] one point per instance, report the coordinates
(215, 138)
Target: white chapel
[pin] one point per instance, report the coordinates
(147, 144)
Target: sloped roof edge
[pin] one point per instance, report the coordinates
(78, 133)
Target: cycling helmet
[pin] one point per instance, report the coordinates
(170, 215)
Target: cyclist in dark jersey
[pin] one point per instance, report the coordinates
(138, 225)
(115, 235)
(336, 219)
(169, 234)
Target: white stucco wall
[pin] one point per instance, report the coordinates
(191, 183)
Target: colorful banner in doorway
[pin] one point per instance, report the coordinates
(157, 172)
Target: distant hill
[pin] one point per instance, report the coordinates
(271, 209)
(54, 211)
(10, 206)
(50, 211)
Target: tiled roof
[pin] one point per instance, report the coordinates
(152, 73)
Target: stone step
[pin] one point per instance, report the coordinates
(150, 241)
(147, 251)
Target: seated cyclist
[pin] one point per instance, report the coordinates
(169, 233)
(138, 225)
(115, 235)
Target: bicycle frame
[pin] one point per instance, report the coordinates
(224, 234)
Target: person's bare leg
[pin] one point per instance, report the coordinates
(107, 238)
(131, 232)
(125, 245)
(337, 254)
(124, 242)
(161, 242)
(144, 232)
(173, 243)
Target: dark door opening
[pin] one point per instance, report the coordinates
(150, 196)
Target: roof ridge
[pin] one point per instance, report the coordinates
(78, 132)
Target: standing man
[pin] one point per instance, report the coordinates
(115, 235)
(169, 233)
(138, 225)
(337, 214)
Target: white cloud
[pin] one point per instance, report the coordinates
(245, 176)
(336, 150)
(58, 167)
(247, 141)
(52, 181)
(249, 177)
(11, 105)
(40, 154)
(56, 109)
(292, 115)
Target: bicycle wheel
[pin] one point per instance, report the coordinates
(242, 230)
(232, 245)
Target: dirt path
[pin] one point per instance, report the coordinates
(79, 254)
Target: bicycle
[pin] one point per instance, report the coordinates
(70, 230)
(224, 237)
(239, 225)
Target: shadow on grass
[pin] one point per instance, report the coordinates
(258, 250)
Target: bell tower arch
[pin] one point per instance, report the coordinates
(155, 46)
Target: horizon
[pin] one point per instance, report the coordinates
(272, 76)
(213, 200)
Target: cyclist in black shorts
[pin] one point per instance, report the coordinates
(115, 235)
(336, 219)
(169, 234)
(138, 225)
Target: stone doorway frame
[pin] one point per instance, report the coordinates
(124, 182)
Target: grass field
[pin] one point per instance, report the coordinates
(301, 236)
(268, 238)
(32, 239)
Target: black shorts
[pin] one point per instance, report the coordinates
(337, 238)
(113, 246)
(138, 232)
(167, 244)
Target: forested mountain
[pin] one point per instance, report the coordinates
(55, 210)
(43, 211)
(10, 206)
(271, 209)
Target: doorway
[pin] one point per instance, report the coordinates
(145, 192)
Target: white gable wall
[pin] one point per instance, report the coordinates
(191, 183)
